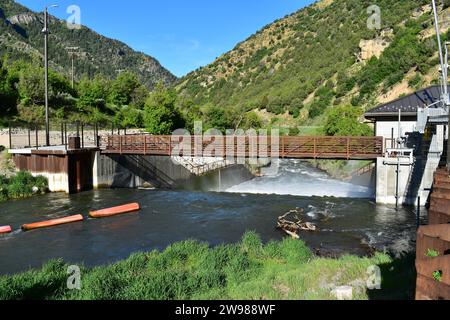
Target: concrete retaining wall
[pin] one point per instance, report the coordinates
(125, 171)
(411, 184)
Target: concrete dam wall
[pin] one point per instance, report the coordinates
(134, 171)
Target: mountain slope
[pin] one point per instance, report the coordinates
(321, 56)
(21, 37)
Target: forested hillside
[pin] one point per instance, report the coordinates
(293, 70)
(21, 38)
(303, 70)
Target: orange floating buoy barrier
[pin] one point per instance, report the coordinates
(131, 207)
(5, 229)
(52, 223)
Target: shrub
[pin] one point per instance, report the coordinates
(317, 109)
(415, 81)
(446, 4)
(41, 183)
(344, 121)
(21, 186)
(295, 251)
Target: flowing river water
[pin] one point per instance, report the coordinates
(348, 220)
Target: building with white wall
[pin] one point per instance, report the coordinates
(385, 116)
(406, 172)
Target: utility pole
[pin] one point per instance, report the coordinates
(444, 77)
(46, 32)
(444, 80)
(72, 52)
(447, 103)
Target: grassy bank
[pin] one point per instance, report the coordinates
(192, 270)
(21, 185)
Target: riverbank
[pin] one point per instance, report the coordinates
(191, 270)
(21, 185)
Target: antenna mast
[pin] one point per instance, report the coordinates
(444, 78)
(444, 65)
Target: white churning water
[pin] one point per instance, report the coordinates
(298, 178)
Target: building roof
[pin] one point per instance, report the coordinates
(408, 104)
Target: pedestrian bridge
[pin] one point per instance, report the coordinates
(286, 147)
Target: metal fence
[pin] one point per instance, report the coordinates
(288, 147)
(21, 136)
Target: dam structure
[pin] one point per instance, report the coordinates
(143, 160)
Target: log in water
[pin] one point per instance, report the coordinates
(347, 225)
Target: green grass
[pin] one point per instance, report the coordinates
(310, 130)
(192, 270)
(21, 186)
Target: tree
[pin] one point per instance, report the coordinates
(8, 94)
(131, 117)
(191, 111)
(139, 96)
(160, 113)
(122, 89)
(344, 121)
(251, 121)
(92, 94)
(295, 107)
(217, 118)
(31, 86)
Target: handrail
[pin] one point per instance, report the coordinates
(301, 147)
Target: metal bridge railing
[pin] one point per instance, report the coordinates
(301, 147)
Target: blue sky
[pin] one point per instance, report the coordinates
(182, 34)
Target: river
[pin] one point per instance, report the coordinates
(348, 220)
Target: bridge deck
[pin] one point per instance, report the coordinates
(301, 147)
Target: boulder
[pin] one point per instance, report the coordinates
(343, 293)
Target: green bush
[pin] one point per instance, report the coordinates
(415, 81)
(446, 4)
(344, 121)
(317, 109)
(41, 183)
(21, 186)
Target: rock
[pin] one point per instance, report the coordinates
(372, 48)
(343, 293)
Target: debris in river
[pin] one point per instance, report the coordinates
(294, 227)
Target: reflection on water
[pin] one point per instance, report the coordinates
(346, 225)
